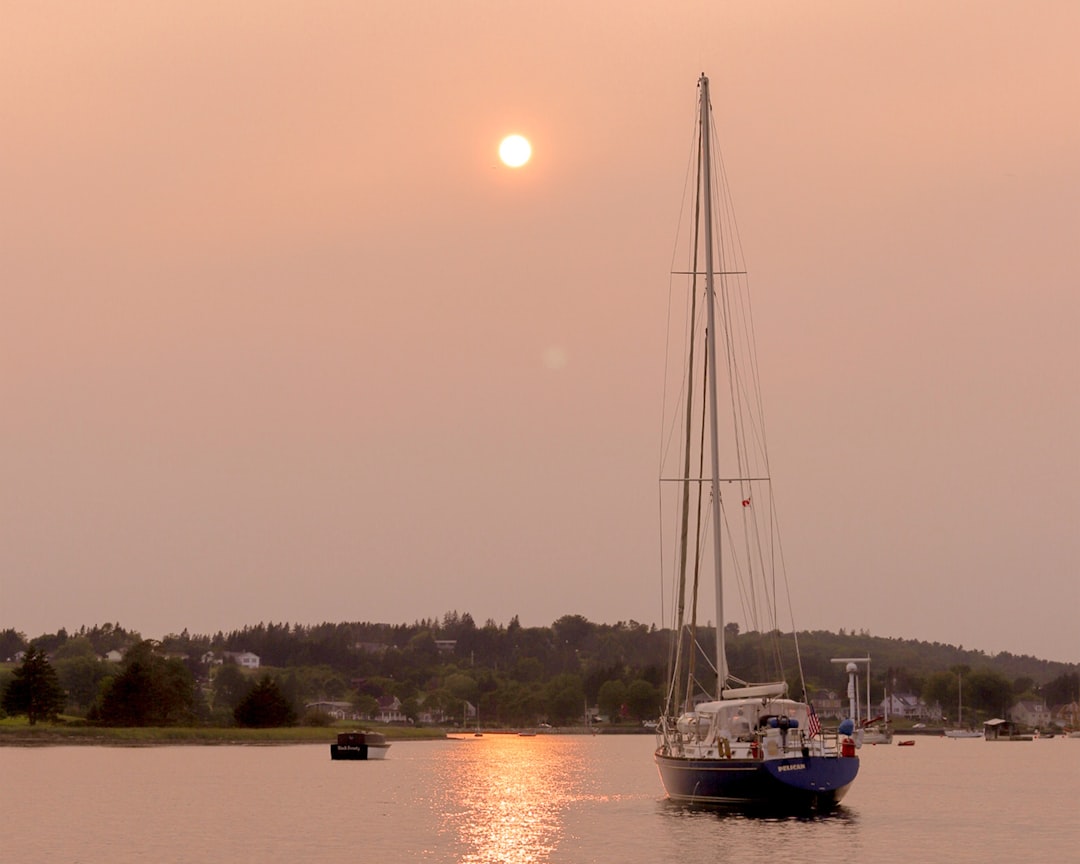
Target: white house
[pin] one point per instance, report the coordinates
(1034, 714)
(337, 710)
(243, 658)
(390, 710)
(906, 705)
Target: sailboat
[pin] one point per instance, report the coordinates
(743, 744)
(877, 731)
(960, 731)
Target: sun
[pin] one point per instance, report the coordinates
(515, 150)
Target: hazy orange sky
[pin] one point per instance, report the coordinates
(282, 340)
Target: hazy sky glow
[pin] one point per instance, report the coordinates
(282, 339)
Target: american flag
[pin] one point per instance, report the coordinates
(813, 725)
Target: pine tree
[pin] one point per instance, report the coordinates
(264, 706)
(34, 689)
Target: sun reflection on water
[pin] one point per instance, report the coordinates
(504, 797)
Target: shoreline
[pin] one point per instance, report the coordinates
(170, 736)
(193, 736)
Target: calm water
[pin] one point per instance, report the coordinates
(508, 799)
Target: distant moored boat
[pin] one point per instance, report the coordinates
(359, 746)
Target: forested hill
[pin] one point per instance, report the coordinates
(918, 659)
(515, 675)
(570, 644)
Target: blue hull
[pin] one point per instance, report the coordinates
(814, 783)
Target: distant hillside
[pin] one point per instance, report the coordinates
(516, 675)
(917, 659)
(631, 644)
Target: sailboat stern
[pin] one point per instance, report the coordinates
(796, 784)
(828, 777)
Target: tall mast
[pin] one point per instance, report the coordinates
(710, 349)
(684, 543)
(960, 700)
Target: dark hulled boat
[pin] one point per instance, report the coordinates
(359, 746)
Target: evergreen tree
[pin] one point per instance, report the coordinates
(265, 706)
(151, 691)
(34, 689)
(11, 642)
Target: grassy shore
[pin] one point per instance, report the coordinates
(16, 732)
(19, 733)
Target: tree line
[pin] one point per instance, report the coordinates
(514, 675)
